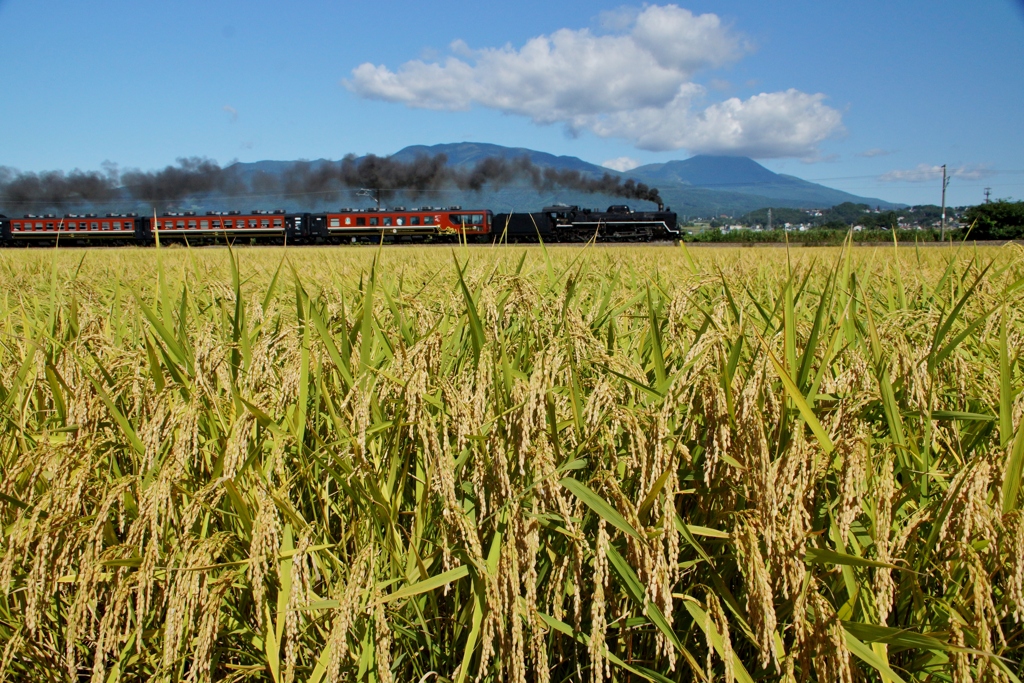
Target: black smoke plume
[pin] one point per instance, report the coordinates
(386, 177)
(55, 190)
(28, 192)
(304, 182)
(191, 177)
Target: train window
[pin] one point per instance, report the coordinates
(387, 220)
(73, 225)
(105, 226)
(336, 222)
(228, 223)
(252, 222)
(348, 220)
(466, 218)
(373, 220)
(428, 220)
(191, 225)
(216, 224)
(414, 220)
(399, 221)
(265, 223)
(39, 226)
(278, 223)
(204, 225)
(16, 226)
(49, 226)
(180, 225)
(361, 220)
(94, 226)
(117, 225)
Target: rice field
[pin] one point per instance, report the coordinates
(513, 464)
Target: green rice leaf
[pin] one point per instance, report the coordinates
(798, 399)
(600, 506)
(442, 579)
(870, 657)
(825, 556)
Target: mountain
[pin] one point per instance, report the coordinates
(745, 176)
(702, 185)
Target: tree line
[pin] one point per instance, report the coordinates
(1001, 219)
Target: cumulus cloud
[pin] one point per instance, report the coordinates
(621, 164)
(635, 82)
(928, 172)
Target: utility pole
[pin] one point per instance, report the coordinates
(769, 219)
(945, 184)
(988, 192)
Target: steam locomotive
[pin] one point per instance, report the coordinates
(558, 223)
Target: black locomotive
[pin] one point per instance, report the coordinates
(563, 223)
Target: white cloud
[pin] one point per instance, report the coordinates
(928, 172)
(231, 112)
(621, 164)
(780, 124)
(874, 152)
(637, 83)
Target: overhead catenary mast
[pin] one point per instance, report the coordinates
(372, 193)
(945, 184)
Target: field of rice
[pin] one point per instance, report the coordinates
(512, 464)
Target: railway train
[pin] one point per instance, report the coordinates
(558, 223)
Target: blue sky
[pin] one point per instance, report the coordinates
(868, 97)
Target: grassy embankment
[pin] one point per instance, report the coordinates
(512, 464)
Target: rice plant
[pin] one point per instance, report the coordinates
(524, 464)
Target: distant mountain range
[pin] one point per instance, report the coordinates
(699, 186)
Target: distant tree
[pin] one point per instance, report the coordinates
(835, 224)
(880, 221)
(998, 220)
(847, 212)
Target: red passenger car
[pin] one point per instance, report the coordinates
(252, 224)
(400, 221)
(73, 225)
